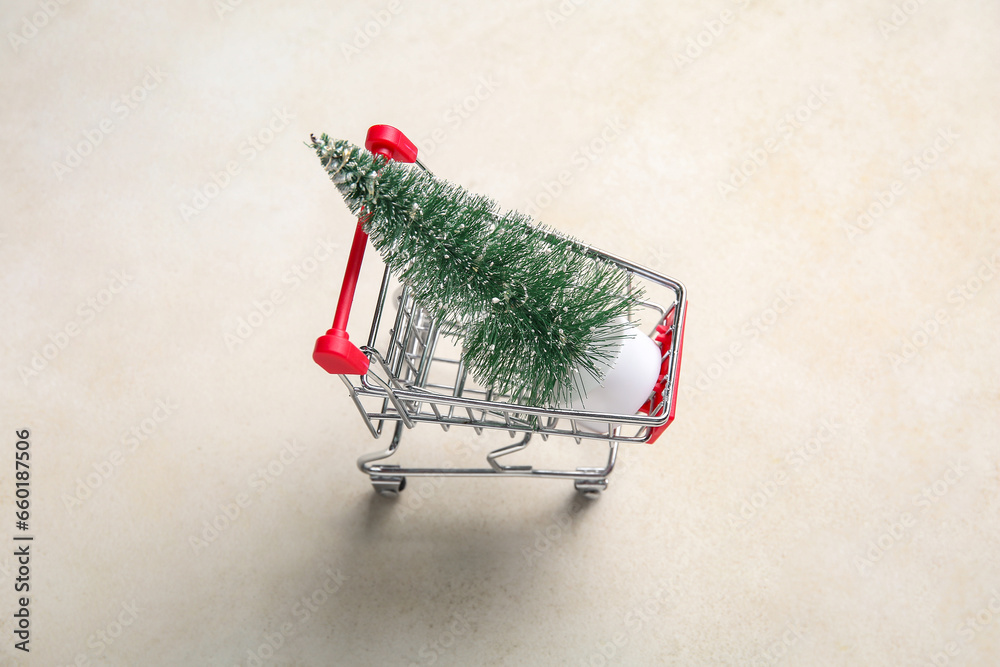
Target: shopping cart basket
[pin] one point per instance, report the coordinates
(410, 371)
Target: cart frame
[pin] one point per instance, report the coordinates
(402, 383)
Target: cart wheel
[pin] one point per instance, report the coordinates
(388, 487)
(590, 488)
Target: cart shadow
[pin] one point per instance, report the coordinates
(443, 567)
(389, 518)
(465, 561)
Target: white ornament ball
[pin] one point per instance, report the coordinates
(628, 380)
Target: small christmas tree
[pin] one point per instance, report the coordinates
(532, 311)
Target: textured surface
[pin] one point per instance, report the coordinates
(823, 177)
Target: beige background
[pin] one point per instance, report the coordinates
(829, 493)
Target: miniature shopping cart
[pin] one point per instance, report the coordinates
(411, 371)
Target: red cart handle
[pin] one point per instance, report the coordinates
(334, 351)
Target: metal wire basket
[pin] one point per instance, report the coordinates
(412, 373)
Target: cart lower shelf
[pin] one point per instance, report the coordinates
(390, 480)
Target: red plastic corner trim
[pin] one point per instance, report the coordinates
(390, 142)
(336, 354)
(664, 340)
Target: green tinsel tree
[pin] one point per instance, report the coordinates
(533, 312)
